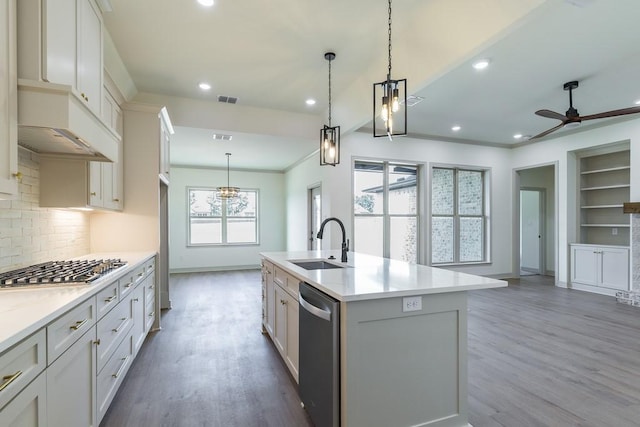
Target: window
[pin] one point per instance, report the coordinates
(458, 219)
(385, 207)
(215, 221)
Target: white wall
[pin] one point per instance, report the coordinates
(337, 188)
(557, 150)
(208, 258)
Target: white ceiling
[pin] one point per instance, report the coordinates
(271, 56)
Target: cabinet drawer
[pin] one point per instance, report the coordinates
(150, 287)
(286, 281)
(150, 266)
(107, 299)
(29, 407)
(149, 313)
(111, 376)
(130, 281)
(69, 327)
(111, 329)
(21, 364)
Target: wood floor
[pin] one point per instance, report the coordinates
(538, 356)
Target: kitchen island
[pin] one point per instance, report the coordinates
(403, 334)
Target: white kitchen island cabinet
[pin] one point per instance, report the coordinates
(398, 366)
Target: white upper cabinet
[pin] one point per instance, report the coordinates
(8, 107)
(60, 41)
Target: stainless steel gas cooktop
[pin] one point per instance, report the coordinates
(75, 272)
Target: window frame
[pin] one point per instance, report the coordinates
(485, 215)
(386, 216)
(224, 217)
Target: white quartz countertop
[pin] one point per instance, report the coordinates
(368, 277)
(24, 311)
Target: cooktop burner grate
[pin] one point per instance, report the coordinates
(60, 273)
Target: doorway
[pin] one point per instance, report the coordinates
(315, 215)
(532, 231)
(535, 221)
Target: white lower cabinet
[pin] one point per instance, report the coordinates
(603, 268)
(71, 385)
(282, 314)
(138, 331)
(111, 376)
(29, 408)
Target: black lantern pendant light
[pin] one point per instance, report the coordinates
(390, 102)
(329, 136)
(228, 192)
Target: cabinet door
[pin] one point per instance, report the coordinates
(89, 63)
(280, 321)
(71, 385)
(139, 322)
(271, 303)
(29, 408)
(584, 265)
(614, 268)
(8, 105)
(59, 41)
(292, 335)
(96, 197)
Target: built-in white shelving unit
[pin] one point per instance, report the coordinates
(604, 187)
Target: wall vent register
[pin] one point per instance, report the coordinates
(52, 273)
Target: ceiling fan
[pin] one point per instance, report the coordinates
(571, 118)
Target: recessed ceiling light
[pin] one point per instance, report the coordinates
(638, 102)
(207, 3)
(517, 136)
(204, 86)
(310, 101)
(481, 64)
(456, 128)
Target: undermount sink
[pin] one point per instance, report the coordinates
(316, 265)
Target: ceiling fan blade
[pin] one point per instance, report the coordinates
(613, 113)
(551, 115)
(547, 132)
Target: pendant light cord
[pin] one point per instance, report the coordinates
(329, 92)
(389, 75)
(228, 181)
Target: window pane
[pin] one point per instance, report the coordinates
(471, 239)
(368, 188)
(205, 231)
(368, 235)
(243, 205)
(402, 189)
(442, 192)
(241, 230)
(404, 233)
(204, 203)
(441, 239)
(469, 192)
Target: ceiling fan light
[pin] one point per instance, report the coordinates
(571, 125)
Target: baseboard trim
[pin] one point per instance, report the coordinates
(593, 289)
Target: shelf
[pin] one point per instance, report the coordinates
(601, 206)
(619, 168)
(606, 187)
(606, 225)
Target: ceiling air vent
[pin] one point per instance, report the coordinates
(413, 100)
(222, 137)
(227, 99)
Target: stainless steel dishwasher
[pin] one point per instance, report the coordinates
(319, 375)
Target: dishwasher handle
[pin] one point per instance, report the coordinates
(318, 312)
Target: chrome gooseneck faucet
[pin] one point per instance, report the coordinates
(345, 241)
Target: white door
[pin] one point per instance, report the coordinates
(531, 231)
(315, 216)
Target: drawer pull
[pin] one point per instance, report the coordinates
(8, 379)
(128, 285)
(124, 321)
(111, 298)
(135, 300)
(79, 324)
(97, 342)
(152, 313)
(152, 286)
(124, 364)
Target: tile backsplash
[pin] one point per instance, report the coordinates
(30, 234)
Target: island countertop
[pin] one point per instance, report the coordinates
(366, 277)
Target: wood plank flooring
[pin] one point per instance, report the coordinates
(538, 356)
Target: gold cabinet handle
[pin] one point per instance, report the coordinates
(97, 342)
(283, 301)
(18, 176)
(79, 324)
(152, 313)
(128, 285)
(152, 286)
(116, 200)
(111, 298)
(140, 274)
(124, 321)
(8, 379)
(121, 368)
(135, 300)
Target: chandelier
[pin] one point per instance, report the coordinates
(228, 192)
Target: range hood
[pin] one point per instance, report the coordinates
(55, 121)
